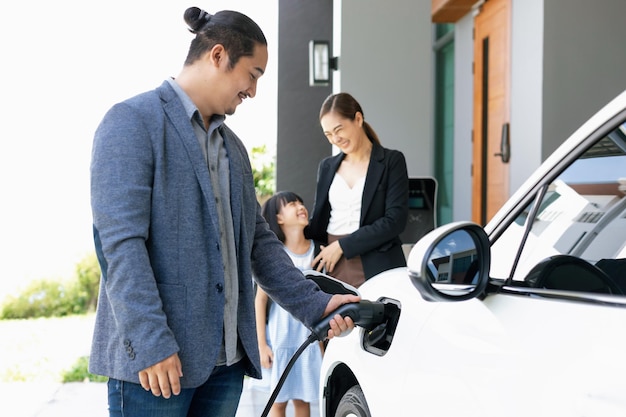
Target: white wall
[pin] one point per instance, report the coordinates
(526, 89)
(463, 118)
(584, 63)
(386, 64)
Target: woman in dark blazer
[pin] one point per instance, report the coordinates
(361, 201)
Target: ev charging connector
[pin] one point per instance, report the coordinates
(365, 314)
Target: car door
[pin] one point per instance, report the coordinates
(560, 260)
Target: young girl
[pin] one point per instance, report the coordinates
(287, 217)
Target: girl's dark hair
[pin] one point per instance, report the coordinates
(235, 31)
(346, 106)
(272, 207)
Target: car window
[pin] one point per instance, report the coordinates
(581, 216)
(505, 249)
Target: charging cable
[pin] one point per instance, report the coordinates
(366, 314)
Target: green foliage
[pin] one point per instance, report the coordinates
(42, 298)
(88, 282)
(263, 171)
(79, 372)
(57, 298)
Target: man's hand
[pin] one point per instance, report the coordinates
(163, 378)
(338, 325)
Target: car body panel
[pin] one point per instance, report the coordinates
(473, 357)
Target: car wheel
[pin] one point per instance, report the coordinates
(353, 404)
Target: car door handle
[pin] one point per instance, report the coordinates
(505, 144)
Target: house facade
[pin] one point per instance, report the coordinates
(475, 93)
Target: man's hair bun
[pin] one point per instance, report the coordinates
(197, 19)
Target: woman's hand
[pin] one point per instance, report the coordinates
(328, 257)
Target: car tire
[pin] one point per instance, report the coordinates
(353, 404)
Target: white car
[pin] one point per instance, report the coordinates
(525, 317)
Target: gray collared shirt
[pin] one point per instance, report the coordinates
(216, 156)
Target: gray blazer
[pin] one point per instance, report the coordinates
(157, 241)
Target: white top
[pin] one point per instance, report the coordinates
(345, 206)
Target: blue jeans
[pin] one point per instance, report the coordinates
(218, 397)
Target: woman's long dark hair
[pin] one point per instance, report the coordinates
(346, 106)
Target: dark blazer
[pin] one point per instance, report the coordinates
(157, 241)
(384, 210)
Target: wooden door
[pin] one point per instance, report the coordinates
(490, 172)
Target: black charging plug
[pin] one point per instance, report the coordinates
(365, 314)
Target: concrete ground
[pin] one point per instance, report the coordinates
(44, 347)
(22, 399)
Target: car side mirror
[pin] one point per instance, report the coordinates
(451, 263)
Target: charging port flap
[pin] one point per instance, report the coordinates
(378, 340)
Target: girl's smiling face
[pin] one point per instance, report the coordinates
(293, 213)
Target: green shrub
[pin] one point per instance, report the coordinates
(41, 298)
(263, 171)
(88, 282)
(57, 298)
(79, 372)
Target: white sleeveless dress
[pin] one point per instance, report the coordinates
(285, 335)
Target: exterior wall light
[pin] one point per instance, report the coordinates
(320, 63)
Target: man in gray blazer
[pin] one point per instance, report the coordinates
(178, 233)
